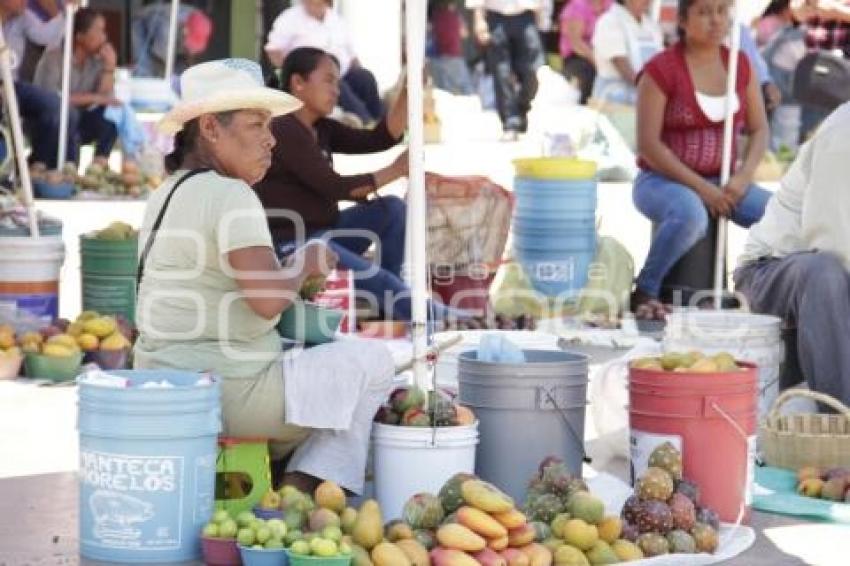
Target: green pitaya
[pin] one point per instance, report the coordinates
(654, 517)
(441, 409)
(688, 489)
(709, 517)
(542, 531)
(556, 478)
(426, 538)
(668, 458)
(543, 508)
(656, 484)
(681, 542)
(406, 398)
(450, 495)
(682, 509)
(705, 537)
(653, 544)
(311, 287)
(423, 511)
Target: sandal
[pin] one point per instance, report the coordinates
(646, 307)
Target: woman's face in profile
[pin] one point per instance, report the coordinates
(320, 90)
(244, 146)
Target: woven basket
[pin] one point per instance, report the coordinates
(799, 440)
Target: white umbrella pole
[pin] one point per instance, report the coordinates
(65, 101)
(728, 159)
(172, 40)
(415, 39)
(17, 132)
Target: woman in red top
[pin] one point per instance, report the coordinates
(681, 110)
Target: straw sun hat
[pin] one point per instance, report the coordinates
(221, 86)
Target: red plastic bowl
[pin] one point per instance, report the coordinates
(220, 552)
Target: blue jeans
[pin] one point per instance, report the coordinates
(682, 220)
(358, 94)
(385, 220)
(92, 127)
(40, 112)
(451, 74)
(514, 54)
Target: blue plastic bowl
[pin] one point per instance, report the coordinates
(47, 190)
(263, 557)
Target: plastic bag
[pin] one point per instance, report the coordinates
(606, 293)
(495, 348)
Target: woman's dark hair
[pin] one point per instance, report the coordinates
(776, 7)
(301, 61)
(684, 7)
(186, 140)
(84, 19)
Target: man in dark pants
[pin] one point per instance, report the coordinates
(508, 31)
(797, 259)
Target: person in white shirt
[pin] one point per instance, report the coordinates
(625, 38)
(313, 23)
(39, 108)
(796, 264)
(508, 30)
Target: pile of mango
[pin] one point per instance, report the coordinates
(689, 362)
(832, 485)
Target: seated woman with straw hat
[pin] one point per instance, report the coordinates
(211, 289)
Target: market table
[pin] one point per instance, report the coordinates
(38, 526)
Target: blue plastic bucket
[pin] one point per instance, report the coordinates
(563, 196)
(554, 217)
(558, 273)
(147, 467)
(551, 240)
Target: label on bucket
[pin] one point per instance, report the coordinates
(751, 470)
(124, 494)
(641, 445)
(42, 306)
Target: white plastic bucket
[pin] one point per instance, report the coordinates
(447, 362)
(748, 337)
(411, 460)
(29, 273)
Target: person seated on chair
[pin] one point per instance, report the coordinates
(39, 107)
(211, 289)
(681, 111)
(796, 263)
(314, 23)
(93, 62)
(149, 37)
(625, 39)
(302, 181)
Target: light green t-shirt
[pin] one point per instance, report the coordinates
(190, 312)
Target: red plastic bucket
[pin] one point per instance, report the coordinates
(711, 418)
(465, 291)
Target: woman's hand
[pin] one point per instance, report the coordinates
(316, 258)
(717, 201)
(736, 189)
(108, 56)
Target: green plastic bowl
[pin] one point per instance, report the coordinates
(309, 323)
(301, 560)
(55, 369)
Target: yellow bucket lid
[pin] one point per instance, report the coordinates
(555, 168)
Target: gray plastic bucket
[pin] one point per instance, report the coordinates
(526, 412)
